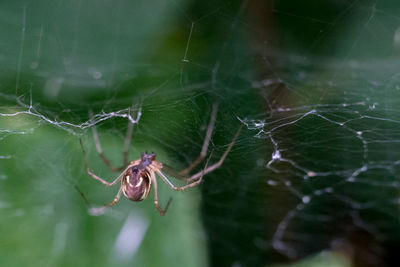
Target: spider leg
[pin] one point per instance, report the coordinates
(162, 211)
(127, 142)
(206, 142)
(219, 163)
(198, 176)
(100, 151)
(181, 188)
(100, 210)
(94, 176)
(83, 196)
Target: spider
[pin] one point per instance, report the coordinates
(139, 176)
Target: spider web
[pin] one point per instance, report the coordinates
(316, 167)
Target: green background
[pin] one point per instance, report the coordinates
(315, 80)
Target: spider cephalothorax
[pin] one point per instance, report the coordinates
(139, 176)
(147, 159)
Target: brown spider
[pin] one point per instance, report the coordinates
(140, 175)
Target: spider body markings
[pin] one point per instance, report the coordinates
(136, 182)
(139, 176)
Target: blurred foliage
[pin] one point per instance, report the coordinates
(174, 59)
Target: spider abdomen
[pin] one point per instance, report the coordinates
(136, 183)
